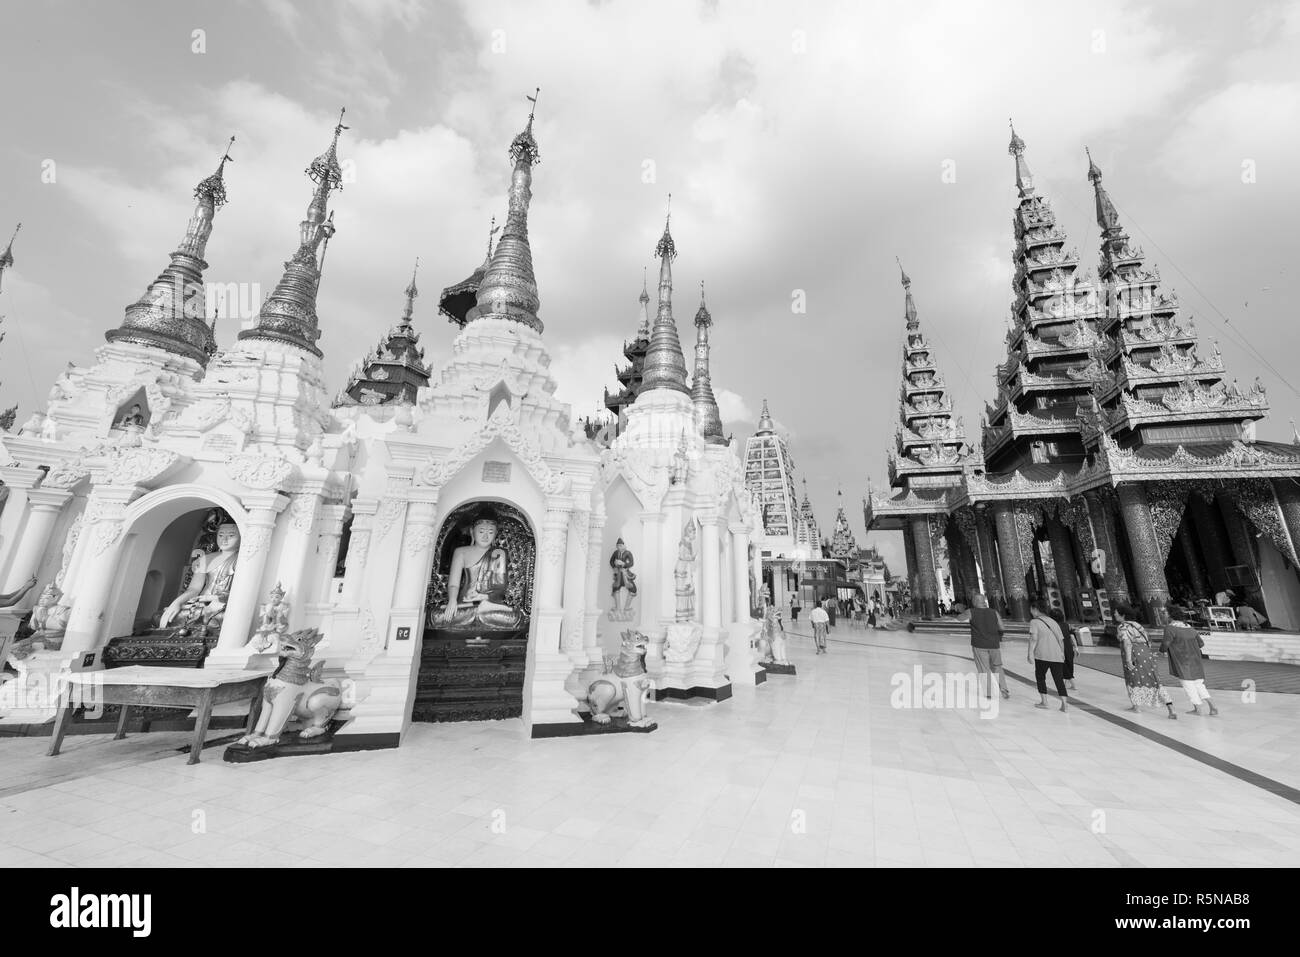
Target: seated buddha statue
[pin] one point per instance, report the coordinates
(199, 609)
(476, 586)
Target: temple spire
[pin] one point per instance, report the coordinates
(765, 424)
(1107, 216)
(411, 292)
(909, 307)
(7, 257)
(172, 313)
(707, 416)
(643, 330)
(289, 313)
(509, 288)
(1024, 178)
(665, 365)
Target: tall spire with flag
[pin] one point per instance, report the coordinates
(665, 365)
(289, 313)
(172, 313)
(509, 289)
(707, 417)
(7, 257)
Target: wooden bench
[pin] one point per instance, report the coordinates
(199, 689)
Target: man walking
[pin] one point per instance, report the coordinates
(820, 622)
(986, 646)
(1183, 646)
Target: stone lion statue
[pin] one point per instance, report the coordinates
(295, 690)
(624, 684)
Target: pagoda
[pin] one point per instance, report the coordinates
(926, 462)
(395, 371)
(630, 375)
(807, 534)
(769, 474)
(843, 547)
(1117, 464)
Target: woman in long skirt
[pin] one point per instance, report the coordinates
(1058, 616)
(1141, 673)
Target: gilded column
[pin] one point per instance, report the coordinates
(1067, 577)
(989, 560)
(1192, 558)
(1013, 563)
(1103, 529)
(909, 553)
(250, 568)
(927, 603)
(964, 551)
(1243, 549)
(1148, 566)
(1288, 500)
(1217, 555)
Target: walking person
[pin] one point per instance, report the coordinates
(820, 622)
(1183, 645)
(794, 609)
(1047, 654)
(1141, 674)
(986, 647)
(1067, 671)
(829, 606)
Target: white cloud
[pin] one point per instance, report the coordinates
(733, 407)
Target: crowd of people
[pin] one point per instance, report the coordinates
(1051, 651)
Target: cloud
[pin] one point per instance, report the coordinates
(733, 407)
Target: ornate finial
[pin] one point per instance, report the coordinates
(1017, 145)
(523, 149)
(324, 169)
(765, 423)
(215, 185)
(702, 317)
(7, 257)
(645, 280)
(902, 272)
(411, 292)
(1094, 174)
(491, 235)
(666, 247)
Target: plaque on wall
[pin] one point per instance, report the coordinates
(496, 471)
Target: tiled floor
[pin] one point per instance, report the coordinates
(820, 769)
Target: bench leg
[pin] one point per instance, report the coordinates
(201, 726)
(121, 723)
(254, 712)
(62, 721)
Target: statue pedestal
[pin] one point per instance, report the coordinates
(32, 697)
(772, 668)
(741, 661)
(692, 663)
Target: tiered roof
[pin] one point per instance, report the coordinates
(1153, 387)
(629, 376)
(1051, 345)
(395, 370)
(843, 545)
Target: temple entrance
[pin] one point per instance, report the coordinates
(185, 544)
(478, 610)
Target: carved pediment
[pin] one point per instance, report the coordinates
(259, 471)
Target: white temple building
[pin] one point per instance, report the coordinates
(172, 482)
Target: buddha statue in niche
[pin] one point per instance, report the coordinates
(199, 609)
(477, 583)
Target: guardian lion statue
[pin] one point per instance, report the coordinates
(624, 684)
(295, 690)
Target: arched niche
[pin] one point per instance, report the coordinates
(134, 413)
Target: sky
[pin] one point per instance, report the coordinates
(805, 147)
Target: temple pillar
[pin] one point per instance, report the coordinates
(988, 558)
(1192, 558)
(1103, 530)
(591, 615)
(650, 583)
(414, 566)
(19, 480)
(293, 574)
(250, 569)
(575, 585)
(926, 603)
(909, 552)
(1215, 549)
(43, 508)
(1067, 578)
(1148, 565)
(103, 541)
(1013, 563)
(546, 701)
(711, 570)
(740, 602)
(329, 535)
(1288, 500)
(964, 551)
(1040, 574)
(354, 572)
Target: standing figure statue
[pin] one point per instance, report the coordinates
(274, 622)
(624, 588)
(684, 574)
(201, 606)
(772, 642)
(477, 582)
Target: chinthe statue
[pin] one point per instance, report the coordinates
(623, 685)
(295, 690)
(477, 583)
(274, 621)
(684, 574)
(624, 589)
(199, 609)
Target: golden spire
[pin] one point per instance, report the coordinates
(411, 292)
(1024, 178)
(909, 307)
(765, 424)
(702, 398)
(509, 288)
(7, 257)
(665, 365)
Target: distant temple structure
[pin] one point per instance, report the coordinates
(629, 376)
(1116, 463)
(395, 370)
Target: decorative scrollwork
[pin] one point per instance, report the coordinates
(262, 472)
